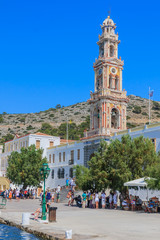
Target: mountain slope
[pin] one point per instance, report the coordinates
(137, 114)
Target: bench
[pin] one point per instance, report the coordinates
(3, 203)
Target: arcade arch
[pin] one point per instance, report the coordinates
(115, 118)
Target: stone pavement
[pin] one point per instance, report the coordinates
(89, 223)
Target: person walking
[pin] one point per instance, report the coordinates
(103, 197)
(67, 183)
(69, 196)
(58, 193)
(96, 199)
(110, 199)
(84, 197)
(115, 200)
(10, 195)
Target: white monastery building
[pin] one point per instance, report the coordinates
(40, 140)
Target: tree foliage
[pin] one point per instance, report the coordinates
(75, 132)
(6, 138)
(154, 173)
(1, 118)
(83, 179)
(121, 161)
(23, 168)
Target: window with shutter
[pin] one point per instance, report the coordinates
(59, 157)
(53, 158)
(37, 144)
(51, 143)
(78, 154)
(52, 174)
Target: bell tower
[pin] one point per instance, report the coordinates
(108, 102)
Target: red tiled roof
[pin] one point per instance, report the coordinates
(42, 134)
(62, 141)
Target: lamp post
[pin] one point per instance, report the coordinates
(44, 171)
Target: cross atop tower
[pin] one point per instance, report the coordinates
(109, 13)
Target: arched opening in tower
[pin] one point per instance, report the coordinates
(115, 118)
(96, 118)
(117, 83)
(111, 51)
(110, 81)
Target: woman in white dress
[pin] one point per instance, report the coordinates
(103, 197)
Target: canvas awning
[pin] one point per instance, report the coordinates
(137, 183)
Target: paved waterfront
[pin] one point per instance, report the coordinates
(89, 223)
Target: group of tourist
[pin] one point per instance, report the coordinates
(95, 199)
(20, 193)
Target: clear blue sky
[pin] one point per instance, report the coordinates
(47, 50)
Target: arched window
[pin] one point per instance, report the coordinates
(62, 173)
(111, 51)
(52, 174)
(115, 118)
(110, 81)
(71, 172)
(96, 118)
(59, 173)
(117, 83)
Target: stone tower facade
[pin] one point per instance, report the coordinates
(108, 102)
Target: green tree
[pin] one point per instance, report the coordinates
(6, 138)
(1, 118)
(156, 106)
(124, 160)
(154, 173)
(75, 132)
(97, 167)
(137, 109)
(23, 168)
(58, 106)
(46, 128)
(83, 179)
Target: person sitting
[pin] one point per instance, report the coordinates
(133, 202)
(150, 206)
(138, 203)
(37, 213)
(125, 204)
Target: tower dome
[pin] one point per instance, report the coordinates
(108, 22)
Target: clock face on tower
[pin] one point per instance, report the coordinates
(113, 70)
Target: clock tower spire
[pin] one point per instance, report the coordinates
(108, 102)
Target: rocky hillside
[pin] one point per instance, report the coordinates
(137, 114)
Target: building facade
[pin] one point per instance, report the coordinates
(151, 131)
(61, 160)
(40, 140)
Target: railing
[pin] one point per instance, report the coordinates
(107, 92)
(71, 162)
(98, 131)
